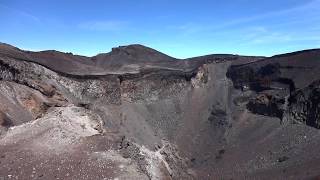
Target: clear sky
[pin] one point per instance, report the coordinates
(180, 28)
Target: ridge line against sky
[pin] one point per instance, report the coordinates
(175, 28)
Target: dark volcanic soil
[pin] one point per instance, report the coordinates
(136, 113)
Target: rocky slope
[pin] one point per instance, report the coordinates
(135, 113)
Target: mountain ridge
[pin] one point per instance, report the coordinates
(121, 60)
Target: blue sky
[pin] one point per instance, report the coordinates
(180, 28)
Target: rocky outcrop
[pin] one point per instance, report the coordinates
(266, 104)
(261, 78)
(304, 105)
(281, 90)
(277, 95)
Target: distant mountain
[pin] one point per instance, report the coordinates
(130, 59)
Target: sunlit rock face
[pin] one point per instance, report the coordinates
(136, 113)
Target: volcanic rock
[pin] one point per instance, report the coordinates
(136, 113)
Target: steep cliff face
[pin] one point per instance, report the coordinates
(304, 105)
(282, 84)
(135, 113)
